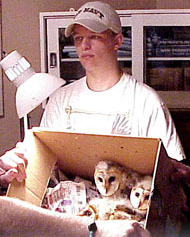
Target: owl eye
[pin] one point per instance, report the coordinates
(100, 179)
(137, 194)
(111, 179)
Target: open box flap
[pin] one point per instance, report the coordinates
(40, 163)
(78, 153)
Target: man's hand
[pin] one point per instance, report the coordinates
(138, 231)
(120, 228)
(12, 165)
(181, 173)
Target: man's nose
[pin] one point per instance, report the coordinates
(86, 44)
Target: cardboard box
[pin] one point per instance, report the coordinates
(77, 154)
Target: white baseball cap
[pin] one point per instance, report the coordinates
(97, 17)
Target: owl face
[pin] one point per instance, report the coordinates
(140, 194)
(107, 178)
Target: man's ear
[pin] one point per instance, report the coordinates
(118, 41)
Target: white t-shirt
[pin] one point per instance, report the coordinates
(129, 108)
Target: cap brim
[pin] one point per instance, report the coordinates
(89, 24)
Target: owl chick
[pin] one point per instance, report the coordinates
(114, 183)
(113, 180)
(140, 194)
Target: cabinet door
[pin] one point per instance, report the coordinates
(62, 59)
(161, 55)
(125, 51)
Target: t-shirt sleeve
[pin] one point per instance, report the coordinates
(162, 125)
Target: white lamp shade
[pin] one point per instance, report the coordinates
(34, 91)
(32, 88)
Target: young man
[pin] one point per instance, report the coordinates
(105, 101)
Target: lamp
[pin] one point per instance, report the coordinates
(32, 88)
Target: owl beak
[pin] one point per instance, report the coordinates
(105, 190)
(144, 203)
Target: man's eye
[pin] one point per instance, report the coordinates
(77, 39)
(95, 37)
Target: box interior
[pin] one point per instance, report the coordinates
(77, 155)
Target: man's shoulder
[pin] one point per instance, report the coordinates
(75, 83)
(140, 89)
(133, 82)
(70, 87)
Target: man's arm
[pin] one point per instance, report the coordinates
(21, 219)
(18, 218)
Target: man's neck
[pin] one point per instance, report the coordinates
(103, 80)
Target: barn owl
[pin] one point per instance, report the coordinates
(115, 183)
(140, 194)
(112, 180)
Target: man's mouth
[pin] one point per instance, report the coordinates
(87, 56)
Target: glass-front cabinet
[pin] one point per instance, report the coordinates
(165, 54)
(155, 50)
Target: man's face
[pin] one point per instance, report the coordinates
(94, 49)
